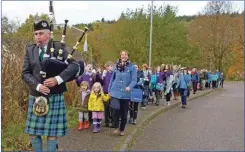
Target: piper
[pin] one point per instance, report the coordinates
(46, 110)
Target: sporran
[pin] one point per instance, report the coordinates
(40, 106)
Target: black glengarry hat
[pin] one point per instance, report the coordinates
(41, 25)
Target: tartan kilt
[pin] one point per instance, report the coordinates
(52, 124)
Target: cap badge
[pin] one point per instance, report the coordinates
(44, 24)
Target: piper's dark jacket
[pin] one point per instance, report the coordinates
(31, 70)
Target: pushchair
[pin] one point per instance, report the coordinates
(146, 93)
(136, 98)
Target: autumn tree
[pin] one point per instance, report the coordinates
(169, 44)
(236, 70)
(213, 32)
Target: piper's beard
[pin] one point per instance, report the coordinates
(39, 44)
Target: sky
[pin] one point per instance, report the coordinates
(89, 11)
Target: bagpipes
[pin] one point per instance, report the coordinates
(51, 65)
(55, 61)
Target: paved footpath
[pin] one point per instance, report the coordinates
(210, 123)
(105, 140)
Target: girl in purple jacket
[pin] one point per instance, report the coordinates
(90, 77)
(106, 77)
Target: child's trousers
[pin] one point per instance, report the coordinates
(83, 115)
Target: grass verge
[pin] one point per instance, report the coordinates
(14, 137)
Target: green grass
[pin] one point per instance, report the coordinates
(14, 137)
(72, 117)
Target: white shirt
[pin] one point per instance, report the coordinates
(58, 78)
(45, 48)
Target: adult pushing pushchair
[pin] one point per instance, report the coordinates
(146, 92)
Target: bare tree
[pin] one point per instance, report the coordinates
(218, 8)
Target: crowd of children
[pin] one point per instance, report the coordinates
(160, 82)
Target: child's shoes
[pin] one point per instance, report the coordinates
(86, 125)
(80, 126)
(98, 127)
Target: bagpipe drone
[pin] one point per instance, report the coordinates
(53, 64)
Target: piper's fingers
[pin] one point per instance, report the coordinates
(43, 92)
(47, 83)
(45, 89)
(53, 83)
(48, 80)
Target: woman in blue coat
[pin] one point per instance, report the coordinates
(183, 85)
(123, 80)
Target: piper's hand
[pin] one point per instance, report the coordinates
(127, 89)
(50, 82)
(44, 90)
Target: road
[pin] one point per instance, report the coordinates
(210, 123)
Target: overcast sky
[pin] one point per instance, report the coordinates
(89, 11)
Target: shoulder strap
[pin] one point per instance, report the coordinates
(114, 71)
(130, 70)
